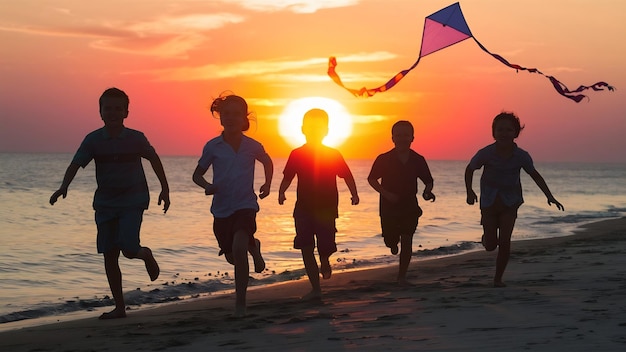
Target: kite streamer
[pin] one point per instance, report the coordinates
(447, 27)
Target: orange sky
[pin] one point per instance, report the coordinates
(173, 57)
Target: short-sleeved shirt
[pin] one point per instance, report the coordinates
(317, 168)
(119, 173)
(501, 176)
(233, 174)
(400, 179)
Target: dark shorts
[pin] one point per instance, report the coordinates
(394, 227)
(309, 227)
(493, 213)
(225, 228)
(119, 229)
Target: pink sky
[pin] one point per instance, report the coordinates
(172, 57)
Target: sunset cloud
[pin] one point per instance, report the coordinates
(172, 36)
(282, 70)
(296, 6)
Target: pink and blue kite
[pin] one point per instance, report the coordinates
(447, 27)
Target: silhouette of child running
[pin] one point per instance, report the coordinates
(500, 187)
(398, 171)
(232, 156)
(122, 194)
(317, 167)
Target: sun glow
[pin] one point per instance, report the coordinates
(339, 121)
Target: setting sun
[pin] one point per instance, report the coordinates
(339, 124)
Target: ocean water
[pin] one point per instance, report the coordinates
(49, 265)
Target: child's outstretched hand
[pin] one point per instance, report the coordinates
(355, 200)
(556, 203)
(281, 198)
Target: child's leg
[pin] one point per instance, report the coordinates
(506, 224)
(242, 270)
(391, 233)
(326, 244)
(129, 227)
(312, 271)
(114, 276)
(406, 252)
(255, 252)
(490, 222)
(325, 267)
(145, 254)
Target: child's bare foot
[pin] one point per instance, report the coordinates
(325, 269)
(499, 284)
(114, 314)
(312, 296)
(259, 263)
(151, 265)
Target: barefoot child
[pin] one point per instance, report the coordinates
(317, 167)
(394, 175)
(232, 156)
(501, 189)
(122, 194)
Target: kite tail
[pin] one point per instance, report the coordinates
(558, 85)
(332, 63)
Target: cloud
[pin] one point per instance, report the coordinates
(168, 36)
(368, 57)
(277, 70)
(296, 6)
(240, 69)
(196, 22)
(65, 31)
(172, 36)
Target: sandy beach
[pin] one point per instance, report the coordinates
(565, 293)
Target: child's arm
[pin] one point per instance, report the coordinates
(164, 196)
(198, 178)
(469, 177)
(284, 184)
(268, 167)
(544, 188)
(428, 192)
(70, 173)
(349, 179)
(378, 187)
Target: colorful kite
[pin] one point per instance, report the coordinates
(447, 27)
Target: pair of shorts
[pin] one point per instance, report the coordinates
(225, 228)
(492, 214)
(394, 227)
(309, 227)
(118, 229)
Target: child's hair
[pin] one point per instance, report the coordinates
(114, 93)
(230, 98)
(403, 123)
(507, 116)
(320, 116)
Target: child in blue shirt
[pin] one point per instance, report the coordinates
(500, 187)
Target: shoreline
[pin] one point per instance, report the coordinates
(563, 292)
